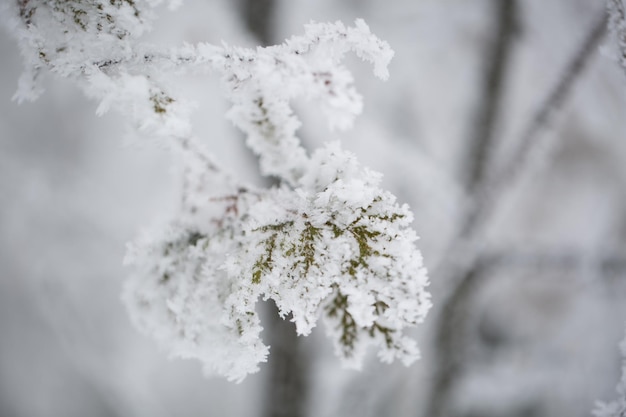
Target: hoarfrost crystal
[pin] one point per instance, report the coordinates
(326, 243)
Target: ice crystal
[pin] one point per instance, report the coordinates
(326, 243)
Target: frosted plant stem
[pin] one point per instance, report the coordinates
(325, 243)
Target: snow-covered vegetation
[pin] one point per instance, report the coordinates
(498, 124)
(327, 240)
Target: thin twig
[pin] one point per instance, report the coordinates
(498, 58)
(608, 263)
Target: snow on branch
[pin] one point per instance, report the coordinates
(326, 243)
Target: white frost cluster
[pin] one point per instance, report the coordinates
(335, 246)
(326, 243)
(616, 408)
(74, 38)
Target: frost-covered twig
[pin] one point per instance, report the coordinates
(327, 242)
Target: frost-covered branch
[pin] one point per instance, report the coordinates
(328, 241)
(337, 246)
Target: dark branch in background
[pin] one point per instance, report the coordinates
(448, 340)
(287, 387)
(258, 15)
(617, 26)
(287, 391)
(452, 332)
(449, 349)
(488, 195)
(608, 264)
(497, 61)
(464, 266)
